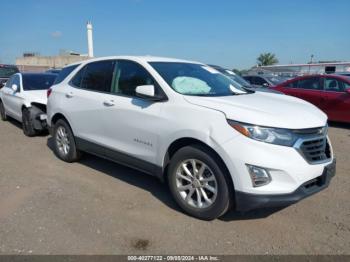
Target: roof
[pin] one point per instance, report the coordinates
(137, 58)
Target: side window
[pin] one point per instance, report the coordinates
(129, 75)
(312, 83)
(293, 84)
(64, 73)
(16, 81)
(346, 85)
(9, 82)
(98, 76)
(76, 80)
(95, 76)
(332, 84)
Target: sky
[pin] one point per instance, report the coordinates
(229, 33)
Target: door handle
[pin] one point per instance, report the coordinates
(69, 95)
(109, 103)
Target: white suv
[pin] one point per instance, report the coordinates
(216, 144)
(24, 99)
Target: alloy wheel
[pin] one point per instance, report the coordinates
(196, 183)
(62, 140)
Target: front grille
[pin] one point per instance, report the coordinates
(316, 150)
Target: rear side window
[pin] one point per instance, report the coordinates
(312, 83)
(96, 76)
(64, 73)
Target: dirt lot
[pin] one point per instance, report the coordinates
(98, 207)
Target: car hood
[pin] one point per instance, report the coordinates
(265, 109)
(37, 96)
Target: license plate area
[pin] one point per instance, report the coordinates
(319, 182)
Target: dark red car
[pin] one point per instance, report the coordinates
(330, 93)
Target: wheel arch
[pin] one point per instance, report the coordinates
(57, 117)
(190, 141)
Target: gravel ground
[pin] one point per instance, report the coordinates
(98, 207)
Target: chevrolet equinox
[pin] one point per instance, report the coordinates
(217, 145)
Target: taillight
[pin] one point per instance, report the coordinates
(49, 91)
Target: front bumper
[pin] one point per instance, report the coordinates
(247, 201)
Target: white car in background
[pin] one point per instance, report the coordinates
(24, 98)
(216, 144)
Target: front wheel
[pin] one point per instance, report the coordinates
(27, 123)
(64, 143)
(2, 112)
(198, 183)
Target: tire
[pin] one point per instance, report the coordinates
(213, 177)
(27, 123)
(64, 143)
(2, 112)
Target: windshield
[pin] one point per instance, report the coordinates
(237, 78)
(37, 81)
(275, 80)
(196, 79)
(6, 72)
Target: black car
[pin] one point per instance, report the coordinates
(6, 71)
(240, 80)
(266, 81)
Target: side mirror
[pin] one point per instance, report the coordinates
(266, 85)
(14, 88)
(145, 91)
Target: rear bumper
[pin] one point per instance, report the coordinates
(247, 201)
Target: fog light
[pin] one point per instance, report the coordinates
(259, 176)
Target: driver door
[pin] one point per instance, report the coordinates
(132, 125)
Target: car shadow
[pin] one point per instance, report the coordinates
(233, 215)
(339, 125)
(128, 175)
(19, 125)
(153, 185)
(14, 122)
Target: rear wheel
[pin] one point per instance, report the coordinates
(2, 112)
(27, 123)
(64, 142)
(198, 183)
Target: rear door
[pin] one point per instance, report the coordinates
(336, 101)
(84, 102)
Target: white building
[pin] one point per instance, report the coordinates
(302, 69)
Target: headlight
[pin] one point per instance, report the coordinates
(277, 136)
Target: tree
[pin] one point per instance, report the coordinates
(266, 59)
